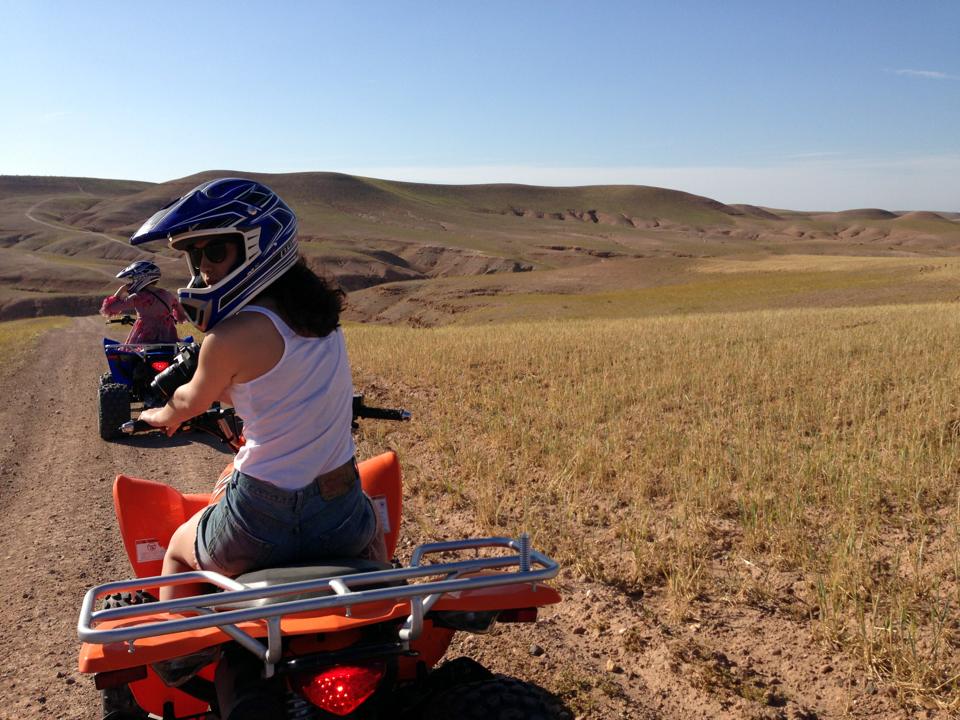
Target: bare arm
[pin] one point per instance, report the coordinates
(120, 303)
(238, 350)
(216, 368)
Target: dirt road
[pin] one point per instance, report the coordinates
(608, 653)
(57, 530)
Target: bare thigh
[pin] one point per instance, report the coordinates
(183, 544)
(181, 556)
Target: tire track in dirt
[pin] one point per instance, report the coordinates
(58, 535)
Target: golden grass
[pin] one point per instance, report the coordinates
(718, 292)
(806, 460)
(17, 336)
(826, 263)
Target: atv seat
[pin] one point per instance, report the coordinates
(297, 573)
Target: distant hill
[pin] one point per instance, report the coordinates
(861, 214)
(63, 239)
(316, 196)
(12, 185)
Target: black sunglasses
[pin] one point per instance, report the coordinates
(215, 252)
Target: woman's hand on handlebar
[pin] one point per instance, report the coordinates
(157, 418)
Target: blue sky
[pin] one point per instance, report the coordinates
(804, 105)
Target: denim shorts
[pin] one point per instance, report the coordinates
(257, 525)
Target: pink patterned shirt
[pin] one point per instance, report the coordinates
(158, 312)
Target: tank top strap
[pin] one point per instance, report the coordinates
(278, 322)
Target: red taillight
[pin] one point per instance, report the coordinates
(341, 690)
(160, 365)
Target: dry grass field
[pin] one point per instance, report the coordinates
(801, 461)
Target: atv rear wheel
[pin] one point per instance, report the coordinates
(119, 704)
(500, 698)
(124, 599)
(114, 409)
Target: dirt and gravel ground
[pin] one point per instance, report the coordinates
(607, 653)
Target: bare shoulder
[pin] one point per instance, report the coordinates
(244, 325)
(252, 339)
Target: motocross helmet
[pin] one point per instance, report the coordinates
(263, 226)
(139, 275)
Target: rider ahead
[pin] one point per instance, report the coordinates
(275, 351)
(158, 310)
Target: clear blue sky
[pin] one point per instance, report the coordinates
(805, 105)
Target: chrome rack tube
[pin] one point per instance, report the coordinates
(342, 586)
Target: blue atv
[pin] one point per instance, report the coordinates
(132, 370)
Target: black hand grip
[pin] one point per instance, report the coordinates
(138, 427)
(373, 413)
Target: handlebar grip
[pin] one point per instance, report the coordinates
(373, 413)
(138, 427)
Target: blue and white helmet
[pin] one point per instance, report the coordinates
(227, 208)
(140, 274)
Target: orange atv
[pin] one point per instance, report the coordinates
(346, 639)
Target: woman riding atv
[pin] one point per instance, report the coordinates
(158, 311)
(275, 351)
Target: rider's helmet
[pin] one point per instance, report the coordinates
(140, 274)
(229, 209)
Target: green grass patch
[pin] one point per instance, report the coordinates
(18, 336)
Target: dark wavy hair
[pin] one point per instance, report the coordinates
(308, 303)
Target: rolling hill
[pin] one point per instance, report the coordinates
(403, 246)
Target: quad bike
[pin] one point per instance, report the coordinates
(132, 369)
(344, 639)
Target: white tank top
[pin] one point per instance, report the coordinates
(296, 416)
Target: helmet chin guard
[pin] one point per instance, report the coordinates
(227, 208)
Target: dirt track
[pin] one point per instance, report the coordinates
(58, 534)
(609, 654)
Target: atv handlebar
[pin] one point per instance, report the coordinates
(373, 413)
(184, 365)
(122, 320)
(222, 423)
(225, 425)
(137, 427)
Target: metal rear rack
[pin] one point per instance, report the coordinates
(530, 567)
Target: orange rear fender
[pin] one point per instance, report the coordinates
(148, 512)
(381, 480)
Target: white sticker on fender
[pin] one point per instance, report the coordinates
(149, 549)
(380, 503)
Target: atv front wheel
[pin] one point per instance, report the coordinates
(114, 409)
(500, 698)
